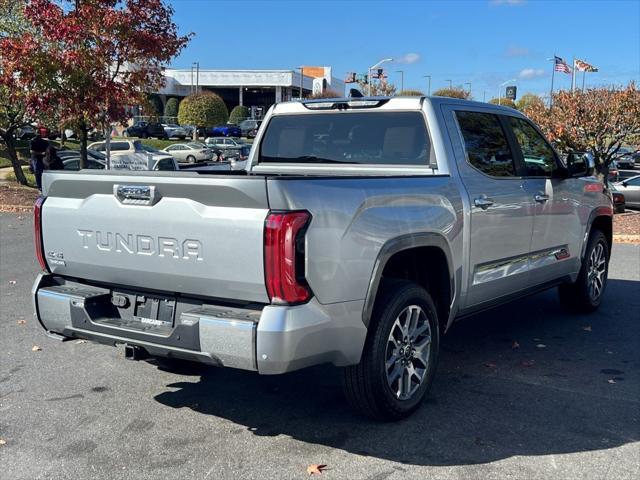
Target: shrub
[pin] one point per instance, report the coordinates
(202, 110)
(238, 114)
(326, 94)
(171, 108)
(529, 100)
(411, 93)
(454, 92)
(505, 102)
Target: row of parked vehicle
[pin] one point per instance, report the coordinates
(247, 128)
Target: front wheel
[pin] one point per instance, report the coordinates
(399, 359)
(191, 159)
(585, 294)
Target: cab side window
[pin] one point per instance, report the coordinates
(538, 156)
(486, 145)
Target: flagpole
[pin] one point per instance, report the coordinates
(553, 72)
(573, 75)
(583, 74)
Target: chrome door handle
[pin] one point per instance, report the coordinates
(540, 197)
(483, 202)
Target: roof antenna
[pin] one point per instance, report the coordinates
(355, 93)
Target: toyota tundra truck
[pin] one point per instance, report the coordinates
(360, 229)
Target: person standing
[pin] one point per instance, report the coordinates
(36, 163)
(52, 160)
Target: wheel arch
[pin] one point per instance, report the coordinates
(601, 218)
(398, 258)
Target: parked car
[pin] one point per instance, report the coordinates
(174, 131)
(26, 132)
(249, 125)
(614, 171)
(227, 130)
(626, 158)
(130, 147)
(129, 161)
(362, 230)
(225, 144)
(619, 202)
(191, 152)
(146, 130)
(630, 188)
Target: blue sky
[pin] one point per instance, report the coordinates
(484, 42)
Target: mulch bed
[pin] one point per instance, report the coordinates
(17, 198)
(20, 199)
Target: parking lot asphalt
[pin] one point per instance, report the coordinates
(563, 402)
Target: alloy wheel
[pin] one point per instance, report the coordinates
(596, 271)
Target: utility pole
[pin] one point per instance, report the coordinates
(301, 68)
(428, 77)
(191, 86)
(401, 72)
(197, 67)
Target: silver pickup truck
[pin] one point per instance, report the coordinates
(358, 232)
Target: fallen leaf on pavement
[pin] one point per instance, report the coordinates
(528, 363)
(22, 321)
(587, 328)
(490, 365)
(3, 442)
(12, 282)
(315, 469)
(80, 342)
(515, 345)
(541, 345)
(611, 380)
(36, 348)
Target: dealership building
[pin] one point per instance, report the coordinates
(255, 89)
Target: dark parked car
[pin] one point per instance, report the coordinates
(627, 158)
(227, 130)
(146, 130)
(248, 126)
(619, 203)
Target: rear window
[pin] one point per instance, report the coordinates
(372, 138)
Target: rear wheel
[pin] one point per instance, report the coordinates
(191, 159)
(399, 359)
(585, 294)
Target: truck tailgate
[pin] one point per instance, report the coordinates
(187, 234)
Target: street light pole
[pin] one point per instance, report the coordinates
(301, 68)
(450, 84)
(401, 72)
(428, 77)
(469, 83)
(384, 60)
(197, 65)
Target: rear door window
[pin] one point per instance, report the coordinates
(372, 138)
(486, 145)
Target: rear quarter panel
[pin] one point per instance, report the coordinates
(354, 217)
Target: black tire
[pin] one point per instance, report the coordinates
(366, 385)
(578, 296)
(191, 159)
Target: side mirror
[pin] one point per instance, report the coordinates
(577, 165)
(625, 184)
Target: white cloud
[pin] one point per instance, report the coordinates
(529, 73)
(510, 3)
(408, 58)
(514, 51)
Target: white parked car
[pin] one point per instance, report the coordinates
(130, 147)
(191, 152)
(175, 131)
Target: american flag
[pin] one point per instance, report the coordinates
(561, 65)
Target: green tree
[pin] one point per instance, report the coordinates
(505, 102)
(411, 93)
(454, 92)
(238, 114)
(528, 100)
(171, 107)
(202, 110)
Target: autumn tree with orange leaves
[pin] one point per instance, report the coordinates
(598, 120)
(87, 60)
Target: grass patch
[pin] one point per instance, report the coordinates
(31, 178)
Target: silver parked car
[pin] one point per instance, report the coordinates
(175, 131)
(224, 143)
(191, 152)
(630, 188)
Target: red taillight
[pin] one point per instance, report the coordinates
(284, 257)
(37, 230)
